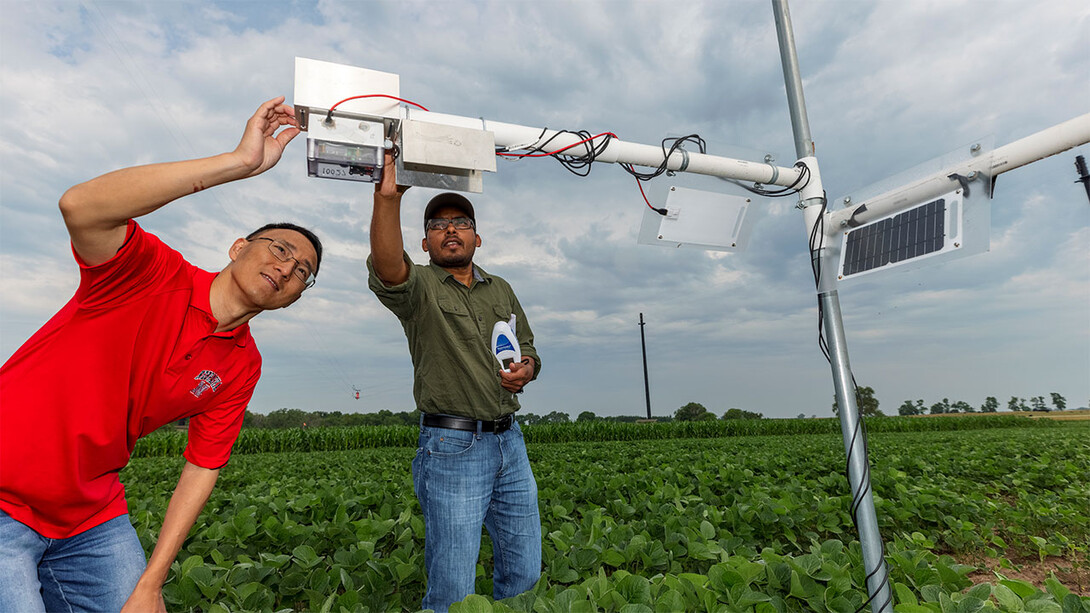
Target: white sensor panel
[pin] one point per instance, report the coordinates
(700, 219)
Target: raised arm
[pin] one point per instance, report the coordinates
(190, 496)
(98, 211)
(387, 246)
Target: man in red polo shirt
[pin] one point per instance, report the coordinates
(147, 339)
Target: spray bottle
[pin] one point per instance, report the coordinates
(505, 346)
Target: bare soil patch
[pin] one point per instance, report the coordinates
(1072, 573)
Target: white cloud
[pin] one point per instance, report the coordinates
(94, 86)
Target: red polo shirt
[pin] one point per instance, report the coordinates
(133, 350)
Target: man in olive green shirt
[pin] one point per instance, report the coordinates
(471, 466)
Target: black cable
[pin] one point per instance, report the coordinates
(582, 164)
(579, 165)
(817, 234)
(885, 581)
(804, 178)
(858, 498)
(661, 168)
(815, 267)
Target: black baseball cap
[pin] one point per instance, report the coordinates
(450, 199)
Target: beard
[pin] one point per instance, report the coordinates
(461, 258)
(452, 261)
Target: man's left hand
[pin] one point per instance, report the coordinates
(388, 188)
(520, 375)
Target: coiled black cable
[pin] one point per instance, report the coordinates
(817, 235)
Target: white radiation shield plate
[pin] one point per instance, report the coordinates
(319, 85)
(698, 219)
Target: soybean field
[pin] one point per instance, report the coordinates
(978, 518)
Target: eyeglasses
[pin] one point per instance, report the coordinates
(283, 253)
(460, 223)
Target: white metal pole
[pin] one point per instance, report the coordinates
(618, 151)
(811, 199)
(792, 77)
(1047, 142)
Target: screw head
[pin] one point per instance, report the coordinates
(769, 158)
(975, 149)
(847, 199)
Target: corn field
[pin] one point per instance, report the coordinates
(172, 442)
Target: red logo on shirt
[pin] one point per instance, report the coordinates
(206, 380)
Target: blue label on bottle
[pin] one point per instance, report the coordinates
(503, 344)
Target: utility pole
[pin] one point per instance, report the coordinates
(646, 385)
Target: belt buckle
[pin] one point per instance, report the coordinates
(503, 424)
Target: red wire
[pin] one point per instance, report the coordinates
(505, 154)
(377, 96)
(541, 155)
(639, 184)
(538, 155)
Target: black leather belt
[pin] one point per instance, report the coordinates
(464, 423)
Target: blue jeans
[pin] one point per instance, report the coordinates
(94, 570)
(466, 479)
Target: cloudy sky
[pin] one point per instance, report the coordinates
(88, 87)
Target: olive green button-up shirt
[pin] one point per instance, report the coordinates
(449, 329)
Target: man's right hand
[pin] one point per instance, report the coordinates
(261, 147)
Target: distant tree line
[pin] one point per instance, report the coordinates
(297, 418)
(868, 405)
(990, 405)
(692, 411)
(559, 417)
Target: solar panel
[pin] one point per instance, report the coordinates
(912, 234)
